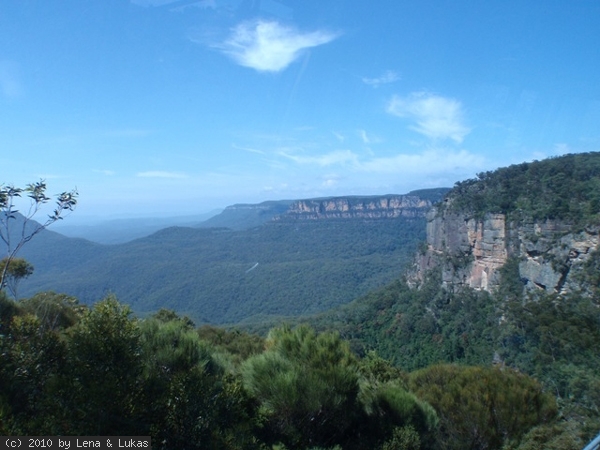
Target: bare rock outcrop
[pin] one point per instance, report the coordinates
(377, 207)
(472, 250)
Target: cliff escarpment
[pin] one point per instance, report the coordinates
(543, 217)
(471, 251)
(376, 207)
(415, 204)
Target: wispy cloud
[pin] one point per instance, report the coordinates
(248, 149)
(268, 46)
(436, 117)
(368, 139)
(160, 174)
(431, 161)
(389, 76)
(428, 162)
(105, 172)
(338, 157)
(364, 137)
(340, 137)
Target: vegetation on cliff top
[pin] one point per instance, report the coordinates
(565, 188)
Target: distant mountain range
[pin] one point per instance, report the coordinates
(119, 231)
(271, 259)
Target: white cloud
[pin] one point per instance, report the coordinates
(368, 139)
(436, 117)
(330, 181)
(160, 174)
(268, 46)
(327, 159)
(364, 137)
(389, 76)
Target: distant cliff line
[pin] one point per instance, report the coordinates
(361, 207)
(415, 204)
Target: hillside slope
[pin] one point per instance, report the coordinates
(216, 275)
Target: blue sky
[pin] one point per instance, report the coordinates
(164, 107)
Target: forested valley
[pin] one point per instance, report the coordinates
(403, 367)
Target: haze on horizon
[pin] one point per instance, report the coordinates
(179, 107)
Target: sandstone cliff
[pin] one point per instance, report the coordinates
(376, 207)
(471, 251)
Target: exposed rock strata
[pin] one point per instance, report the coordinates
(381, 207)
(471, 251)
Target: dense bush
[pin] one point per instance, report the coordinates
(101, 372)
(565, 187)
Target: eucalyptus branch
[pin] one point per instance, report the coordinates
(14, 240)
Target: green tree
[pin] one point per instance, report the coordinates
(189, 401)
(105, 365)
(17, 226)
(17, 269)
(482, 407)
(54, 311)
(32, 361)
(307, 386)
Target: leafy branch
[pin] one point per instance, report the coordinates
(18, 227)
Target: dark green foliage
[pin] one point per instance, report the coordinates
(555, 338)
(168, 315)
(511, 286)
(313, 391)
(307, 386)
(482, 407)
(189, 402)
(415, 328)
(556, 436)
(8, 309)
(434, 195)
(237, 344)
(403, 438)
(108, 373)
(32, 360)
(54, 311)
(104, 365)
(565, 187)
(390, 406)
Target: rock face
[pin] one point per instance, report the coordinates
(379, 207)
(471, 251)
